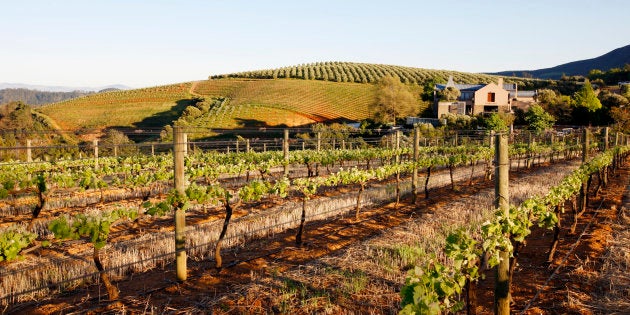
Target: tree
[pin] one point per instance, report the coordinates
(621, 116)
(546, 96)
(586, 97)
(449, 94)
(394, 100)
(610, 100)
(118, 140)
(538, 119)
(497, 121)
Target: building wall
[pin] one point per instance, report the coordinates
(501, 98)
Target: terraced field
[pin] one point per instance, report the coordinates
(149, 107)
(300, 99)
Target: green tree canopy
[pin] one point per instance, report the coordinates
(394, 101)
(450, 94)
(538, 119)
(497, 121)
(585, 97)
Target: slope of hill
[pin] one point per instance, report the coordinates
(256, 98)
(371, 73)
(617, 58)
(268, 102)
(141, 108)
(34, 97)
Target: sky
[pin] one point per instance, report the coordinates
(147, 43)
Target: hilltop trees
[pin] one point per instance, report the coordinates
(394, 101)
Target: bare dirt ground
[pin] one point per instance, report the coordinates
(331, 273)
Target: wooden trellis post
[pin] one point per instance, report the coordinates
(179, 150)
(502, 202)
(285, 152)
(95, 145)
(416, 155)
(29, 155)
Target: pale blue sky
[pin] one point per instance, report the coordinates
(146, 43)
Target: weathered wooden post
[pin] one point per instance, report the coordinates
(247, 148)
(319, 141)
(416, 155)
(617, 138)
(398, 132)
(285, 152)
(185, 141)
(115, 151)
(584, 190)
(152, 149)
(179, 150)
(29, 155)
(585, 144)
(95, 145)
(502, 202)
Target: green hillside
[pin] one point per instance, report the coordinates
(141, 108)
(290, 96)
(370, 73)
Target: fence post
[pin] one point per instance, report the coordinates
(185, 142)
(264, 147)
(502, 202)
(285, 152)
(585, 140)
(247, 147)
(606, 146)
(238, 150)
(152, 149)
(179, 151)
(343, 144)
(617, 138)
(115, 151)
(95, 144)
(29, 155)
(319, 141)
(416, 155)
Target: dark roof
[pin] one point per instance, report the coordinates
(474, 87)
(526, 93)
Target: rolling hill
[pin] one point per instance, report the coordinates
(35, 97)
(617, 58)
(290, 96)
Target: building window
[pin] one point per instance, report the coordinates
(490, 97)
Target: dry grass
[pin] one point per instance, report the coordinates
(610, 281)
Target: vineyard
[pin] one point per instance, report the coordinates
(285, 97)
(372, 73)
(140, 108)
(303, 101)
(66, 224)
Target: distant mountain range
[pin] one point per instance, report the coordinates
(617, 58)
(47, 88)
